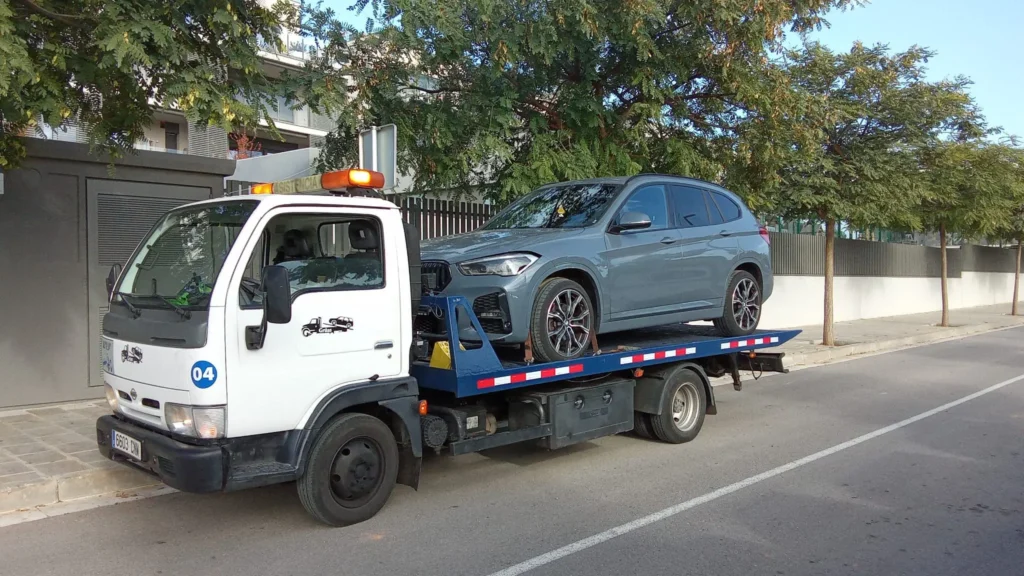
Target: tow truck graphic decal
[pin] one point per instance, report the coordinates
(134, 355)
(332, 325)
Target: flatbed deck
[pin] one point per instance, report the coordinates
(480, 370)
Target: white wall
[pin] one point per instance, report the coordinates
(799, 300)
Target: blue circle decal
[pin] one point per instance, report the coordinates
(203, 374)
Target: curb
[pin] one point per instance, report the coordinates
(120, 478)
(73, 487)
(827, 355)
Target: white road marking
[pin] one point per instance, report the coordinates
(628, 527)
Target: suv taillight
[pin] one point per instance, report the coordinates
(764, 234)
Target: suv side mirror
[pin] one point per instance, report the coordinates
(112, 276)
(277, 295)
(632, 221)
(277, 305)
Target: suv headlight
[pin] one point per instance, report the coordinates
(195, 421)
(500, 265)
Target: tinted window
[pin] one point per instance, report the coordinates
(566, 206)
(730, 211)
(649, 200)
(689, 206)
(716, 215)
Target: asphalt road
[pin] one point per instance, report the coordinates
(924, 493)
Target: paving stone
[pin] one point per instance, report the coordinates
(73, 447)
(20, 450)
(91, 456)
(42, 457)
(18, 419)
(12, 468)
(66, 438)
(46, 432)
(61, 467)
(19, 480)
(44, 412)
(16, 440)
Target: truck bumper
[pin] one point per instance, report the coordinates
(181, 466)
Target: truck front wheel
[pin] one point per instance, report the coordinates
(351, 472)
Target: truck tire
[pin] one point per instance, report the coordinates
(682, 415)
(352, 470)
(551, 313)
(741, 310)
(642, 425)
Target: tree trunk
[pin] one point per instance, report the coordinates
(1016, 280)
(827, 336)
(945, 294)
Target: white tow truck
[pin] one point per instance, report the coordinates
(218, 380)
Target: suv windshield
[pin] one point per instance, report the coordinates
(565, 206)
(179, 261)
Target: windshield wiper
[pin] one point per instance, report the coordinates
(132, 309)
(185, 314)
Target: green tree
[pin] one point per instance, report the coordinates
(970, 191)
(505, 96)
(841, 146)
(1013, 225)
(108, 64)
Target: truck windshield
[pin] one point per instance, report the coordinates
(178, 263)
(565, 206)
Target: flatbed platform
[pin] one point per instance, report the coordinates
(480, 370)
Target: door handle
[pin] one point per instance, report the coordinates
(725, 233)
(383, 345)
(668, 240)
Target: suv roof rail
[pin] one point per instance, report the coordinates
(660, 174)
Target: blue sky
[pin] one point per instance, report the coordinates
(983, 40)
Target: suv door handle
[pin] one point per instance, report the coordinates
(668, 240)
(725, 233)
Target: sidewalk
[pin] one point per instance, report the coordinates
(49, 455)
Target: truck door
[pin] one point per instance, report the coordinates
(339, 269)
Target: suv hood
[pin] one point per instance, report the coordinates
(483, 243)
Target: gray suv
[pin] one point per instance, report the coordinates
(576, 259)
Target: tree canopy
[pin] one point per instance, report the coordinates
(510, 95)
(108, 64)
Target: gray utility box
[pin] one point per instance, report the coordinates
(577, 413)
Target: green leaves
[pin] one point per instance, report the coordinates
(108, 64)
(521, 93)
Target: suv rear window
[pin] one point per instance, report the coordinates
(730, 211)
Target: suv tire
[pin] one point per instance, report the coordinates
(562, 320)
(741, 311)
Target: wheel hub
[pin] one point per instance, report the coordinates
(684, 407)
(357, 471)
(746, 304)
(569, 322)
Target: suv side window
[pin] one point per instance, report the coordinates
(730, 211)
(322, 252)
(716, 214)
(689, 207)
(651, 201)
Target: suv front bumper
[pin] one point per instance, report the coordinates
(185, 467)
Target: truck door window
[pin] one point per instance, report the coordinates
(322, 252)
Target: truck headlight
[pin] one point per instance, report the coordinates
(500, 265)
(112, 400)
(198, 422)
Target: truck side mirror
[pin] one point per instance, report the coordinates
(277, 295)
(277, 305)
(112, 276)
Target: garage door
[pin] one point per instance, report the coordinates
(120, 216)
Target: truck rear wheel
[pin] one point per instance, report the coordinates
(684, 404)
(351, 472)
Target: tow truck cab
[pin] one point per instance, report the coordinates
(215, 305)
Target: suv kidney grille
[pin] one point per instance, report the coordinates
(436, 275)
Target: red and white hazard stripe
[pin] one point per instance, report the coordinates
(750, 342)
(656, 355)
(529, 376)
